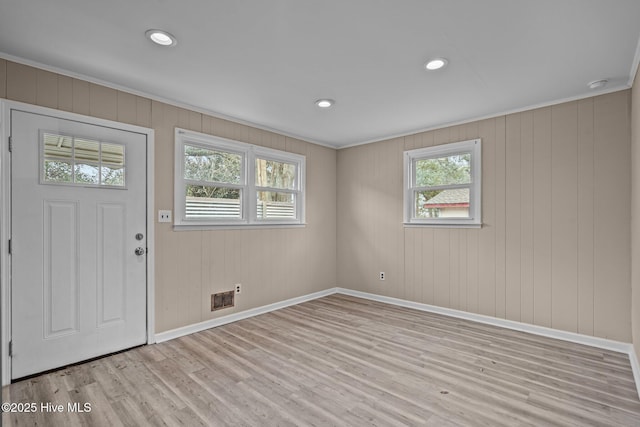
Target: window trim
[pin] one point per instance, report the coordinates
(472, 146)
(248, 189)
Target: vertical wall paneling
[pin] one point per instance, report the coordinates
(3, 78)
(564, 217)
(344, 215)
(513, 220)
(586, 206)
(612, 177)
(553, 248)
(463, 290)
(542, 208)
(103, 102)
(189, 277)
(168, 280)
(191, 265)
(46, 89)
(500, 219)
(635, 213)
(143, 111)
(441, 271)
(452, 294)
(65, 93)
(396, 234)
(527, 218)
(454, 269)
(21, 83)
(427, 240)
(473, 263)
(487, 234)
(81, 97)
(472, 130)
(410, 261)
(126, 108)
(439, 247)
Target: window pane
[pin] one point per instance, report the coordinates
(214, 166)
(442, 203)
(113, 154)
(212, 202)
(86, 174)
(112, 175)
(55, 171)
(87, 150)
(270, 173)
(276, 205)
(82, 161)
(447, 170)
(57, 146)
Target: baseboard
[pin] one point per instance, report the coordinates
(207, 324)
(635, 366)
(606, 344)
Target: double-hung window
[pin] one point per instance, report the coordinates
(219, 182)
(442, 185)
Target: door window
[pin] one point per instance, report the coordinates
(70, 160)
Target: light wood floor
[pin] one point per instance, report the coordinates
(344, 361)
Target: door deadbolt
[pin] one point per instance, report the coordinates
(140, 251)
(139, 236)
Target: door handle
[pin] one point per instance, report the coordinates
(140, 251)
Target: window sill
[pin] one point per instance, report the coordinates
(445, 225)
(182, 227)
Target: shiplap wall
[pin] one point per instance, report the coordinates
(635, 213)
(271, 264)
(554, 249)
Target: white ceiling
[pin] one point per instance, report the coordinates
(266, 62)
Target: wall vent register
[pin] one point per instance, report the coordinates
(222, 300)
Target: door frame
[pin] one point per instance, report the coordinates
(6, 107)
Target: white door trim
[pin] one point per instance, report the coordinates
(5, 218)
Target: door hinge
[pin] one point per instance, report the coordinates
(10, 146)
(9, 246)
(10, 348)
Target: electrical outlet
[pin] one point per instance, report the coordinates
(238, 288)
(164, 216)
(382, 275)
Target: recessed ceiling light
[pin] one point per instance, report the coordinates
(598, 84)
(161, 37)
(325, 103)
(436, 64)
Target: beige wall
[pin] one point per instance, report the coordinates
(555, 246)
(271, 264)
(554, 250)
(635, 213)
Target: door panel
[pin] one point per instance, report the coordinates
(111, 269)
(78, 197)
(60, 254)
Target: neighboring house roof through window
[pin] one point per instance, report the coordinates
(449, 198)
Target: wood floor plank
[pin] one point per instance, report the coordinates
(343, 361)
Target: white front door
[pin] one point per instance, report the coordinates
(78, 239)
